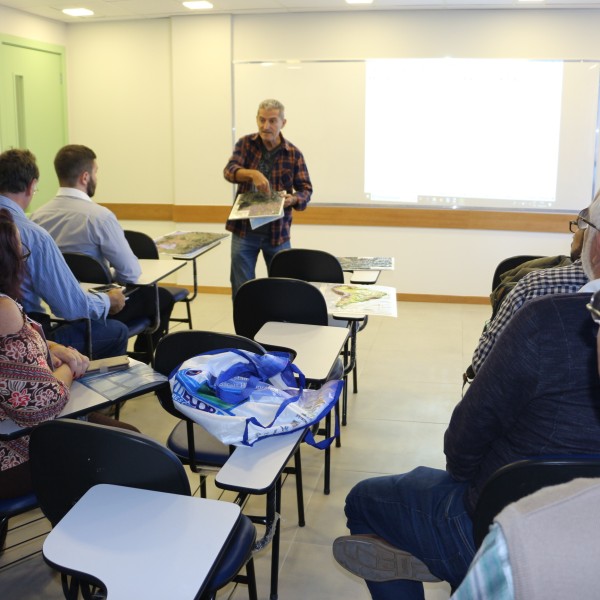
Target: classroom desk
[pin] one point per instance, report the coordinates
(364, 277)
(258, 469)
(366, 269)
(192, 256)
(317, 346)
(141, 543)
(153, 271)
(82, 401)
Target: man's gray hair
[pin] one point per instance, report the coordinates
(593, 216)
(272, 104)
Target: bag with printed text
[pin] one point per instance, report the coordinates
(241, 397)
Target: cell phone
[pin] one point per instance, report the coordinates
(107, 287)
(104, 365)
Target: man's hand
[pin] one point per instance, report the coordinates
(117, 301)
(290, 200)
(61, 355)
(261, 183)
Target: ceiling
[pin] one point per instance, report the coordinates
(105, 10)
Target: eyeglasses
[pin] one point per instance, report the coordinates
(26, 254)
(581, 223)
(594, 307)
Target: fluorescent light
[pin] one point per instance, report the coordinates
(78, 12)
(359, 1)
(202, 4)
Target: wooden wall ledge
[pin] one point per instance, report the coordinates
(359, 216)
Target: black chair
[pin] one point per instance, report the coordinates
(286, 300)
(68, 457)
(192, 444)
(89, 270)
(143, 246)
(11, 507)
(86, 268)
(320, 266)
(509, 263)
(516, 480)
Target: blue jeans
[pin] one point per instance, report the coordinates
(109, 338)
(421, 512)
(244, 254)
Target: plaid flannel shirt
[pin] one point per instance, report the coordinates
(289, 173)
(558, 280)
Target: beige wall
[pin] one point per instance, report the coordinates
(154, 98)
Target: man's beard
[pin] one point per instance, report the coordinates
(91, 188)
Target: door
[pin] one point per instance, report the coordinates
(33, 107)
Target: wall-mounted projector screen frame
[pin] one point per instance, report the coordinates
(493, 134)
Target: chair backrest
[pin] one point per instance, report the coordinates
(516, 480)
(174, 348)
(277, 299)
(68, 457)
(86, 268)
(509, 263)
(141, 244)
(308, 265)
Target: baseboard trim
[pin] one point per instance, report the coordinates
(442, 298)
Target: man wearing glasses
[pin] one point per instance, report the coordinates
(537, 394)
(557, 280)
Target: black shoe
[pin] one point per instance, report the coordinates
(373, 559)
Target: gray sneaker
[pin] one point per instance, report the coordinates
(373, 559)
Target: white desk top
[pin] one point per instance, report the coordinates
(364, 277)
(140, 543)
(255, 468)
(317, 346)
(154, 271)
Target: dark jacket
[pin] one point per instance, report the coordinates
(538, 393)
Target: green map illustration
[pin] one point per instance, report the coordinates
(354, 295)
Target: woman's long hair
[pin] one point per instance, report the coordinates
(12, 265)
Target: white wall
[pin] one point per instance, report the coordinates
(17, 23)
(154, 98)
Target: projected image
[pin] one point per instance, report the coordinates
(444, 131)
(458, 133)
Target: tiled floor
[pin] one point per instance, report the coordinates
(409, 380)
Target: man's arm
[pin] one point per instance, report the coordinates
(239, 167)
(495, 399)
(49, 277)
(116, 250)
(302, 184)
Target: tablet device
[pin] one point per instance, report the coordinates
(105, 365)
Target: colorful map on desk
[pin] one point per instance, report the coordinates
(367, 263)
(354, 299)
(182, 243)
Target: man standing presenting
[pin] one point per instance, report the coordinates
(265, 162)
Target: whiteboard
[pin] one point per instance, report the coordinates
(325, 111)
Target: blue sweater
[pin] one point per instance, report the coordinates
(538, 393)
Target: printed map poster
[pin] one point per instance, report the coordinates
(367, 263)
(256, 204)
(186, 243)
(353, 299)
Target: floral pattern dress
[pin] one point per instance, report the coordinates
(29, 392)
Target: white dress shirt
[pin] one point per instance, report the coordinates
(78, 224)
